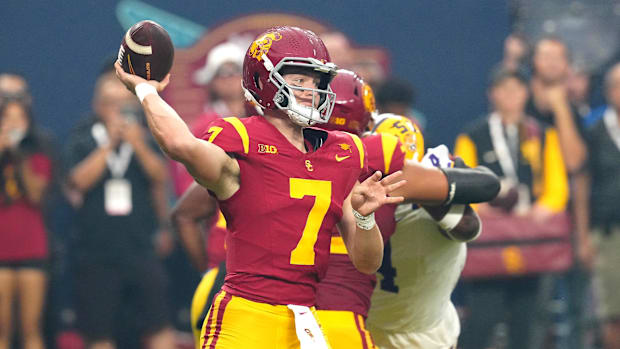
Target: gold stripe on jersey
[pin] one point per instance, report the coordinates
(242, 131)
(369, 342)
(388, 145)
(360, 148)
(337, 246)
(213, 314)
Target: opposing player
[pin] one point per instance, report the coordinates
(343, 296)
(282, 187)
(422, 262)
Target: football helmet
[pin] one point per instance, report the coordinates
(355, 103)
(290, 47)
(408, 133)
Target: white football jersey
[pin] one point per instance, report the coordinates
(420, 269)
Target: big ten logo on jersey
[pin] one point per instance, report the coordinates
(267, 149)
(337, 121)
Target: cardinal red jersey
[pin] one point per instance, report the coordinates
(216, 241)
(344, 287)
(280, 220)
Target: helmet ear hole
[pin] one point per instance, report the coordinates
(356, 92)
(257, 82)
(283, 99)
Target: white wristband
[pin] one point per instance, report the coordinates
(144, 89)
(364, 222)
(452, 217)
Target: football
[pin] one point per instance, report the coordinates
(146, 51)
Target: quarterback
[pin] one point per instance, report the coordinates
(282, 187)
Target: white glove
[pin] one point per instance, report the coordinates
(437, 157)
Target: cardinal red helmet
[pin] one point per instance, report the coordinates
(355, 103)
(281, 47)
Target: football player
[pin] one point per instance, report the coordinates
(195, 209)
(343, 296)
(422, 262)
(283, 188)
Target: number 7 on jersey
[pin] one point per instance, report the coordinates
(303, 253)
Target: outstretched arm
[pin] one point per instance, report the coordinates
(459, 185)
(207, 163)
(357, 227)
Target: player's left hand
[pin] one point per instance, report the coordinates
(131, 81)
(374, 192)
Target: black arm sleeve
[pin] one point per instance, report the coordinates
(470, 185)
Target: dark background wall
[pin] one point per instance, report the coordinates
(444, 47)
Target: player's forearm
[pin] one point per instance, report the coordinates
(471, 185)
(167, 127)
(367, 251)
(194, 207)
(90, 170)
(433, 186)
(424, 185)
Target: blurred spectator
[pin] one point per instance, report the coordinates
(369, 68)
(340, 50)
(25, 175)
(550, 103)
(397, 96)
(120, 176)
(221, 77)
(13, 85)
(516, 53)
(526, 155)
(578, 85)
(603, 141)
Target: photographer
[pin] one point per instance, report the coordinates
(118, 178)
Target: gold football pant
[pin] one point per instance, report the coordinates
(345, 330)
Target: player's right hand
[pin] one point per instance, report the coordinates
(131, 81)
